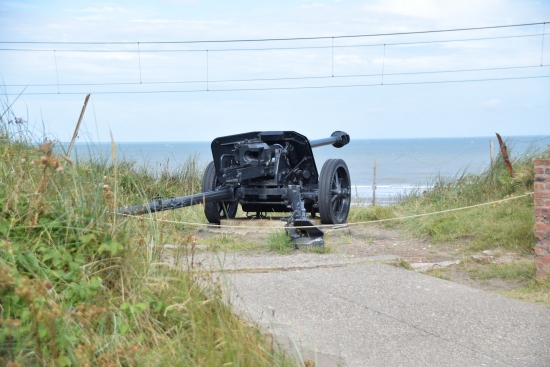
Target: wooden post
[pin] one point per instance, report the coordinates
(374, 183)
(492, 153)
(504, 152)
(78, 125)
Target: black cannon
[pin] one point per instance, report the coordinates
(270, 171)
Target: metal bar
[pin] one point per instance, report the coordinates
(321, 142)
(222, 194)
(338, 139)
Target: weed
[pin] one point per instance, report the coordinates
(519, 270)
(280, 242)
(229, 243)
(440, 273)
(402, 263)
(371, 213)
(535, 291)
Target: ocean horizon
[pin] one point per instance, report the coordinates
(402, 164)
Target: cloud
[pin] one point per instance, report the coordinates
(349, 59)
(172, 20)
(103, 9)
(180, 2)
(312, 5)
(492, 104)
(457, 12)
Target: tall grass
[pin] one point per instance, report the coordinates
(506, 224)
(82, 287)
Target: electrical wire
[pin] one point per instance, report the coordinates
(279, 79)
(286, 88)
(208, 81)
(277, 39)
(278, 48)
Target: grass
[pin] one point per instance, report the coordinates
(280, 242)
(519, 270)
(536, 291)
(440, 273)
(402, 263)
(230, 243)
(80, 286)
(372, 213)
(506, 226)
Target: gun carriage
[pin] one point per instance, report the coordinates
(270, 171)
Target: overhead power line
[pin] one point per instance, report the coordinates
(209, 82)
(275, 39)
(285, 88)
(276, 79)
(276, 48)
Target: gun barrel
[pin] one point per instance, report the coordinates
(221, 194)
(338, 139)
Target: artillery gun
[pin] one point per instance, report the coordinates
(270, 171)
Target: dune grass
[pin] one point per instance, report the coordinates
(506, 225)
(81, 286)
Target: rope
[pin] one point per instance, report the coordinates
(333, 225)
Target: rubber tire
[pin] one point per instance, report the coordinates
(215, 212)
(334, 210)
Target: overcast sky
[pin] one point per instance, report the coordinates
(192, 101)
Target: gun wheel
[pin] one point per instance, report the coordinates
(217, 211)
(334, 192)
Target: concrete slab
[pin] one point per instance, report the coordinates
(370, 314)
(272, 261)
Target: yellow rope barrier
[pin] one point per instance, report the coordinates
(331, 225)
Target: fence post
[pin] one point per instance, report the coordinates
(542, 217)
(504, 152)
(75, 134)
(374, 182)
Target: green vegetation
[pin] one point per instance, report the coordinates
(80, 286)
(504, 226)
(280, 242)
(230, 243)
(372, 213)
(520, 270)
(536, 291)
(402, 263)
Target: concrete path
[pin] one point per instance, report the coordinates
(361, 313)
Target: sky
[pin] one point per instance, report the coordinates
(393, 86)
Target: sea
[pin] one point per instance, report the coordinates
(402, 165)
